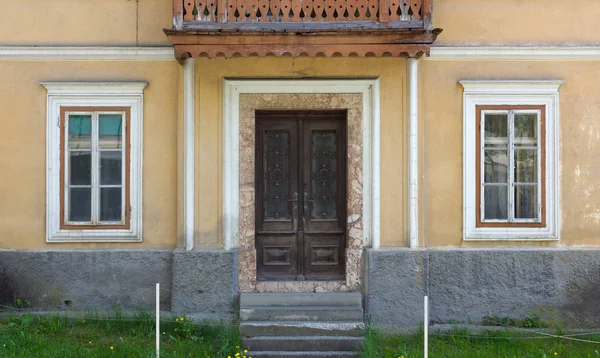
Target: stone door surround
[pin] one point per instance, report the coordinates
(358, 129)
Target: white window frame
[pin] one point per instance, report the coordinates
(511, 93)
(93, 94)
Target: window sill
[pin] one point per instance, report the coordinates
(505, 238)
(75, 236)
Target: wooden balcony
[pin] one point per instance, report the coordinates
(315, 28)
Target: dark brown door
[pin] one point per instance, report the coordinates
(300, 195)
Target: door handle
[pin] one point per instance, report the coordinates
(305, 202)
(294, 202)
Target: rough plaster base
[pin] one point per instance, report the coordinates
(204, 281)
(86, 279)
(468, 284)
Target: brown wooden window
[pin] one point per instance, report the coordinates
(95, 167)
(510, 166)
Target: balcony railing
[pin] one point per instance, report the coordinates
(322, 13)
(314, 28)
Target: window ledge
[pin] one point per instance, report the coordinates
(94, 236)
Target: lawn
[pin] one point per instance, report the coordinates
(114, 336)
(460, 343)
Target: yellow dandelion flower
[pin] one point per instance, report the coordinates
(238, 347)
(111, 347)
(237, 354)
(228, 356)
(555, 353)
(182, 318)
(90, 342)
(245, 351)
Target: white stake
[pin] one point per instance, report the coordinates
(157, 320)
(426, 323)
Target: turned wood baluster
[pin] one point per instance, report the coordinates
(231, 8)
(221, 11)
(415, 5)
(341, 8)
(373, 6)
(319, 6)
(404, 6)
(252, 6)
(286, 5)
(263, 6)
(296, 7)
(307, 7)
(189, 8)
(330, 6)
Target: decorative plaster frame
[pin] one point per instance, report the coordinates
(369, 134)
(93, 94)
(518, 92)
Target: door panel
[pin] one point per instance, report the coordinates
(300, 195)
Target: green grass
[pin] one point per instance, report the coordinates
(94, 335)
(461, 343)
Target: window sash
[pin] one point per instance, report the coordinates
(510, 147)
(95, 185)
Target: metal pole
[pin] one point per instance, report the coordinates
(157, 320)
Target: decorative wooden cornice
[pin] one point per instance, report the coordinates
(314, 28)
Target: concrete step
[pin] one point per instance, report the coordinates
(300, 299)
(282, 354)
(295, 329)
(302, 313)
(303, 344)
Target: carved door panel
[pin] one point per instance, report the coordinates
(300, 195)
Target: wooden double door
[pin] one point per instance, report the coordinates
(300, 195)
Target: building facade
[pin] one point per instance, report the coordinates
(235, 146)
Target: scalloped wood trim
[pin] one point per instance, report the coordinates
(228, 51)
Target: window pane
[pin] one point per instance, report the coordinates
(324, 174)
(496, 166)
(526, 129)
(110, 168)
(110, 128)
(496, 130)
(277, 185)
(80, 131)
(80, 205)
(110, 204)
(496, 202)
(80, 167)
(526, 201)
(526, 165)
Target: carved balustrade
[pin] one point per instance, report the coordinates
(329, 28)
(329, 11)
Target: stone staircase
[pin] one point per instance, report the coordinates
(301, 324)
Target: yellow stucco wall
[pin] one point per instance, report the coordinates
(127, 22)
(441, 109)
(85, 22)
(23, 147)
(210, 74)
(517, 22)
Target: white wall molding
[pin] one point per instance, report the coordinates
(369, 88)
(514, 53)
(86, 53)
(93, 94)
(517, 92)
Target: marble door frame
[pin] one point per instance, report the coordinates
(241, 99)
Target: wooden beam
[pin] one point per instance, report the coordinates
(427, 11)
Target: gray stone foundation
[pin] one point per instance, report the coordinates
(464, 285)
(202, 282)
(86, 279)
(205, 281)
